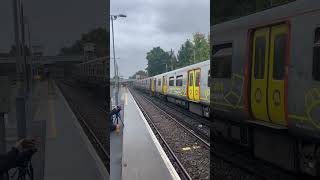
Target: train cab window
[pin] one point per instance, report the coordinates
(197, 78)
(179, 80)
(222, 60)
(159, 82)
(280, 46)
(259, 57)
(316, 56)
(171, 81)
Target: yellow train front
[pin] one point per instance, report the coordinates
(266, 85)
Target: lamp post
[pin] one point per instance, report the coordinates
(114, 17)
(30, 76)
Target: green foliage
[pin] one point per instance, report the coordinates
(190, 52)
(141, 73)
(96, 36)
(186, 54)
(173, 62)
(193, 52)
(158, 61)
(201, 47)
(224, 10)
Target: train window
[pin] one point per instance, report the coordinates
(190, 80)
(222, 60)
(316, 56)
(171, 81)
(280, 46)
(159, 82)
(259, 60)
(179, 80)
(197, 78)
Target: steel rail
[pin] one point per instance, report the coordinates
(182, 125)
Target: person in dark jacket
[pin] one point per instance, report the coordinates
(21, 151)
(114, 112)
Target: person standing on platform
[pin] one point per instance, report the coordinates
(115, 112)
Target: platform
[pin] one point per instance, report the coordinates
(143, 157)
(116, 142)
(68, 153)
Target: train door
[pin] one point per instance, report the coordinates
(267, 74)
(197, 85)
(164, 85)
(194, 85)
(152, 85)
(190, 84)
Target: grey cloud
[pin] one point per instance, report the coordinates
(55, 23)
(150, 23)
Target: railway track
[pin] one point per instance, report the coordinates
(197, 124)
(88, 115)
(188, 152)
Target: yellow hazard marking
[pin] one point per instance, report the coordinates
(186, 148)
(190, 148)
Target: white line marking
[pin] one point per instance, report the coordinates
(163, 155)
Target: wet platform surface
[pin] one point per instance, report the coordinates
(116, 142)
(66, 152)
(142, 158)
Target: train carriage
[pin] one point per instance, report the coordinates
(187, 86)
(266, 85)
(92, 71)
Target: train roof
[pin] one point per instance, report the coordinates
(269, 16)
(203, 63)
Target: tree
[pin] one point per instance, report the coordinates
(172, 64)
(201, 47)
(158, 61)
(142, 74)
(96, 36)
(185, 54)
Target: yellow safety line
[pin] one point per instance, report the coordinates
(126, 99)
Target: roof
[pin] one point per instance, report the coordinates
(279, 13)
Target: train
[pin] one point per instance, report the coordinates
(92, 72)
(188, 87)
(266, 86)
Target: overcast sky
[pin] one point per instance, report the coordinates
(53, 23)
(152, 23)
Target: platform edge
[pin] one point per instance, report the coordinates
(163, 155)
(103, 171)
